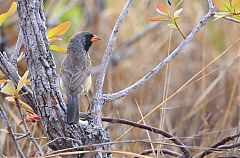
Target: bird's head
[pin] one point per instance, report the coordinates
(82, 40)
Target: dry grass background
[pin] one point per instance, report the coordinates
(200, 115)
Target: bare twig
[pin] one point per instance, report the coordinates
(109, 50)
(29, 134)
(232, 19)
(17, 48)
(218, 144)
(175, 140)
(164, 151)
(111, 143)
(178, 50)
(9, 128)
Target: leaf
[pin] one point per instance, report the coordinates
(172, 26)
(178, 12)
(222, 5)
(22, 103)
(31, 117)
(157, 19)
(162, 9)
(2, 81)
(9, 88)
(235, 5)
(59, 30)
(56, 48)
(11, 11)
(54, 39)
(22, 81)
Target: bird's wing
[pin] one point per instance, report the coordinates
(75, 70)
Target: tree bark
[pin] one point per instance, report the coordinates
(45, 86)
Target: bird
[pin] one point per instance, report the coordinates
(75, 72)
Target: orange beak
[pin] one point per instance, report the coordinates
(95, 38)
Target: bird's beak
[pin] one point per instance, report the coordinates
(95, 38)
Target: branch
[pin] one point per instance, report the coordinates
(219, 144)
(164, 151)
(17, 48)
(133, 87)
(88, 147)
(9, 128)
(232, 19)
(120, 54)
(175, 140)
(28, 133)
(109, 50)
(11, 73)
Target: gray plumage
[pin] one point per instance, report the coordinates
(76, 72)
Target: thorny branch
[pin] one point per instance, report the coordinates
(178, 50)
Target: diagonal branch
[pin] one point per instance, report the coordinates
(9, 128)
(178, 50)
(219, 145)
(174, 139)
(109, 49)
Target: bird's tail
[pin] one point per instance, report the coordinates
(73, 109)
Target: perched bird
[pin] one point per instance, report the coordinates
(76, 72)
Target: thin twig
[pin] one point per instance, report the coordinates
(17, 48)
(9, 128)
(109, 50)
(169, 58)
(164, 151)
(175, 140)
(29, 134)
(232, 19)
(111, 143)
(218, 144)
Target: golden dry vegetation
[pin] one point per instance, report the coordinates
(197, 94)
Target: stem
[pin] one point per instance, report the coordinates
(29, 134)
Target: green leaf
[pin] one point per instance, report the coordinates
(56, 48)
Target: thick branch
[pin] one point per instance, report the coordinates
(11, 73)
(178, 50)
(45, 85)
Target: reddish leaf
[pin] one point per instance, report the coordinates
(162, 9)
(157, 19)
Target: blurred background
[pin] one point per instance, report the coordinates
(200, 113)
